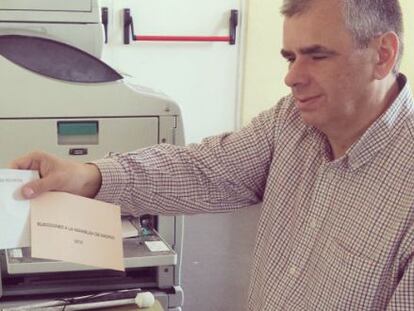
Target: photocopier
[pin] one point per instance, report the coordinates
(58, 96)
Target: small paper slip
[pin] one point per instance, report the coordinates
(76, 229)
(128, 229)
(157, 246)
(14, 210)
(16, 253)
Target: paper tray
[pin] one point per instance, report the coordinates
(136, 255)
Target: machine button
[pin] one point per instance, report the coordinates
(78, 151)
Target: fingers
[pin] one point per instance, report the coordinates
(30, 161)
(34, 188)
(58, 175)
(37, 161)
(23, 163)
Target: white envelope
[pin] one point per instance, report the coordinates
(14, 210)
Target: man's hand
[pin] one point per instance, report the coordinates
(58, 175)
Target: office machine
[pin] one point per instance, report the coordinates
(58, 96)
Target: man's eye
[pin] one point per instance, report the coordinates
(319, 57)
(290, 60)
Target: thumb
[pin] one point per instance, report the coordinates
(34, 188)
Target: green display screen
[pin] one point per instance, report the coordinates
(77, 128)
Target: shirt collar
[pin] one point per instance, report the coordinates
(384, 129)
(378, 135)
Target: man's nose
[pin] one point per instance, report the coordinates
(297, 74)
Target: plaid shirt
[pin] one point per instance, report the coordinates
(333, 235)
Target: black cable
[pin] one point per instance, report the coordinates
(99, 297)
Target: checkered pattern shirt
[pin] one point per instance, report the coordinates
(333, 235)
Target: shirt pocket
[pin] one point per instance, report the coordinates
(349, 281)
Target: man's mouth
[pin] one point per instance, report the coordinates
(306, 99)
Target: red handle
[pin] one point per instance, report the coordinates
(129, 32)
(182, 38)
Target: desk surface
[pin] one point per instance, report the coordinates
(156, 307)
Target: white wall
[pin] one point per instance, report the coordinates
(202, 77)
(264, 68)
(407, 65)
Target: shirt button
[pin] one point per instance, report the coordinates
(313, 224)
(293, 270)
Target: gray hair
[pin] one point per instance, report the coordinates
(363, 18)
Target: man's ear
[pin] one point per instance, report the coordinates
(387, 46)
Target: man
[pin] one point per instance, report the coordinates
(332, 164)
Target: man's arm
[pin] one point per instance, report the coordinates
(403, 297)
(222, 173)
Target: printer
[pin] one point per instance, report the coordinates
(58, 96)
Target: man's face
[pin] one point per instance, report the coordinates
(331, 79)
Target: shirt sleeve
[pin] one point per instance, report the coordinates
(403, 297)
(222, 173)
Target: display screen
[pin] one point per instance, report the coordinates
(78, 132)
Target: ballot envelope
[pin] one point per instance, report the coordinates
(59, 97)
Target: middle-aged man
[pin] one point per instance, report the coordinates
(332, 163)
